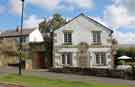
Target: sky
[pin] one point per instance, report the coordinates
(119, 15)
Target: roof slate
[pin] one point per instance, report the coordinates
(14, 33)
(81, 14)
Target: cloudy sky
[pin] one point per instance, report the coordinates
(118, 15)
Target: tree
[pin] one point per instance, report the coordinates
(126, 51)
(121, 52)
(48, 27)
(44, 26)
(130, 52)
(57, 21)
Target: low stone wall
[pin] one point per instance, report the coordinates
(113, 73)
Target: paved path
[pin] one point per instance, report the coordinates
(2, 86)
(71, 77)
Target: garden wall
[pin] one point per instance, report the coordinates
(113, 73)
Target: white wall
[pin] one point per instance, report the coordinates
(91, 56)
(36, 36)
(82, 32)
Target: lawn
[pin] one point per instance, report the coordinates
(34, 81)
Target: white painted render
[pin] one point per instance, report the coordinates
(82, 32)
(82, 29)
(36, 36)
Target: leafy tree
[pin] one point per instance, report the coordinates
(126, 51)
(130, 52)
(121, 52)
(56, 22)
(44, 26)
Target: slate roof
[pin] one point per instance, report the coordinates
(14, 33)
(81, 14)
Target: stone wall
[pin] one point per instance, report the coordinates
(113, 73)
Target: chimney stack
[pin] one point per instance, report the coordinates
(17, 29)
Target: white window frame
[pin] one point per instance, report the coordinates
(67, 37)
(101, 61)
(66, 59)
(96, 37)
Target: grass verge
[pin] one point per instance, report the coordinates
(34, 81)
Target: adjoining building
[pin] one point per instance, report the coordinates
(11, 38)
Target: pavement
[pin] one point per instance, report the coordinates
(71, 77)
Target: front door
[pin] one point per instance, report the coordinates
(39, 60)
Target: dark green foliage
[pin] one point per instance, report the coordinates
(121, 62)
(121, 52)
(57, 21)
(126, 51)
(45, 27)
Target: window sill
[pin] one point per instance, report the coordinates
(96, 43)
(100, 65)
(67, 43)
(67, 65)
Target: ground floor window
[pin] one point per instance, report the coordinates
(100, 58)
(67, 58)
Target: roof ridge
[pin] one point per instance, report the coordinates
(82, 14)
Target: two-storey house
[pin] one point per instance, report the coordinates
(83, 42)
(11, 39)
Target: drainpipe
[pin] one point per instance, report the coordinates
(112, 51)
(52, 35)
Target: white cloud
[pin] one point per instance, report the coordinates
(49, 4)
(32, 21)
(52, 5)
(121, 37)
(81, 3)
(100, 20)
(15, 6)
(120, 14)
(125, 38)
(63, 4)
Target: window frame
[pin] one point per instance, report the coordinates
(102, 60)
(67, 38)
(96, 37)
(68, 59)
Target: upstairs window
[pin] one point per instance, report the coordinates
(68, 37)
(96, 37)
(23, 38)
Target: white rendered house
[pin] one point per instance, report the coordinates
(36, 36)
(28, 35)
(83, 42)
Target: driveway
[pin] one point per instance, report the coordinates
(71, 77)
